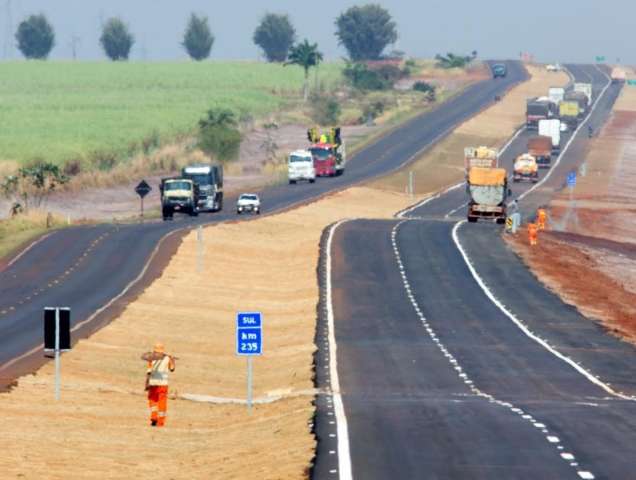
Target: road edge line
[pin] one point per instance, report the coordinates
(523, 327)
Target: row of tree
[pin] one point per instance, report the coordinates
(365, 32)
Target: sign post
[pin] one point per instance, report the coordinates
(57, 337)
(142, 190)
(249, 343)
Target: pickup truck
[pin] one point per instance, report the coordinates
(248, 203)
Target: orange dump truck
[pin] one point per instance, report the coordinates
(488, 191)
(540, 147)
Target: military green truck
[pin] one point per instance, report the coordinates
(179, 195)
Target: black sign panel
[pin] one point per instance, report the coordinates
(143, 189)
(49, 328)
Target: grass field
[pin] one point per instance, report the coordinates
(67, 110)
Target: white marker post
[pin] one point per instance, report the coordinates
(57, 354)
(57, 338)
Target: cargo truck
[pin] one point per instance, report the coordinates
(178, 195)
(488, 191)
(618, 75)
(569, 113)
(556, 94)
(551, 128)
(525, 168)
(585, 88)
(580, 98)
(328, 152)
(540, 147)
(480, 157)
(537, 109)
(209, 180)
(300, 166)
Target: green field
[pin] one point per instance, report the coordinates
(66, 110)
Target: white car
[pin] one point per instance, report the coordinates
(248, 202)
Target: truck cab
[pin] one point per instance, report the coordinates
(300, 166)
(499, 70)
(209, 179)
(178, 195)
(526, 168)
(328, 152)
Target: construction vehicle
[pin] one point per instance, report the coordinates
(618, 75)
(538, 109)
(569, 113)
(484, 157)
(525, 168)
(209, 179)
(585, 88)
(580, 98)
(178, 194)
(300, 166)
(540, 147)
(499, 70)
(556, 94)
(328, 152)
(551, 128)
(488, 191)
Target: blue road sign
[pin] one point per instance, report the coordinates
(571, 179)
(249, 333)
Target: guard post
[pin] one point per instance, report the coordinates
(57, 337)
(249, 343)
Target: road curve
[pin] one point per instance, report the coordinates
(444, 376)
(87, 267)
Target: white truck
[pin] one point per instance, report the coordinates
(551, 128)
(556, 94)
(300, 166)
(585, 88)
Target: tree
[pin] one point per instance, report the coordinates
(198, 39)
(219, 135)
(275, 35)
(32, 184)
(35, 37)
(454, 61)
(116, 39)
(305, 55)
(366, 31)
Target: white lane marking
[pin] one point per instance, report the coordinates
(408, 210)
(592, 378)
(455, 210)
(552, 439)
(586, 475)
(344, 454)
(23, 252)
(572, 138)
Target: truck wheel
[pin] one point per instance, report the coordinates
(292, 182)
(194, 212)
(472, 219)
(166, 213)
(501, 221)
(312, 180)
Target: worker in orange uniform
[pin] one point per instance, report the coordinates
(532, 233)
(542, 216)
(159, 364)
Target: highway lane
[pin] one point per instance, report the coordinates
(406, 307)
(127, 248)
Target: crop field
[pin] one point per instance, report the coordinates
(63, 111)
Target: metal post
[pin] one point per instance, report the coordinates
(200, 249)
(249, 384)
(57, 354)
(142, 209)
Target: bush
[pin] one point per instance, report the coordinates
(326, 110)
(219, 135)
(372, 110)
(423, 87)
(361, 78)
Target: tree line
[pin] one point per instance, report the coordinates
(364, 31)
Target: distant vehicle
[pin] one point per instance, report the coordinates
(484, 157)
(248, 203)
(538, 109)
(556, 94)
(300, 166)
(178, 195)
(499, 70)
(540, 147)
(328, 152)
(488, 190)
(525, 168)
(618, 75)
(580, 98)
(551, 128)
(209, 179)
(554, 67)
(585, 88)
(569, 113)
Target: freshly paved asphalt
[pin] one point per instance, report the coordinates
(85, 267)
(437, 382)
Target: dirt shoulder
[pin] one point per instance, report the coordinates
(589, 255)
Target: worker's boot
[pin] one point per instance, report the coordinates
(153, 423)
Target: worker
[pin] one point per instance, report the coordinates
(532, 233)
(159, 363)
(323, 138)
(542, 216)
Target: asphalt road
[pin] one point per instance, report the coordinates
(86, 268)
(437, 381)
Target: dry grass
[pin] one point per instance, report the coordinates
(443, 165)
(19, 229)
(100, 428)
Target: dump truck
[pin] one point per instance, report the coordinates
(540, 147)
(556, 94)
(537, 109)
(328, 152)
(499, 70)
(178, 194)
(551, 128)
(585, 88)
(618, 75)
(488, 191)
(580, 98)
(525, 168)
(209, 179)
(480, 157)
(569, 113)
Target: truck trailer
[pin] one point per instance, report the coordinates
(540, 147)
(551, 128)
(488, 191)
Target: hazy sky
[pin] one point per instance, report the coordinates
(551, 29)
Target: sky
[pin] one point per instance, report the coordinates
(551, 30)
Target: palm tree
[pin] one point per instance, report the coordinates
(304, 55)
